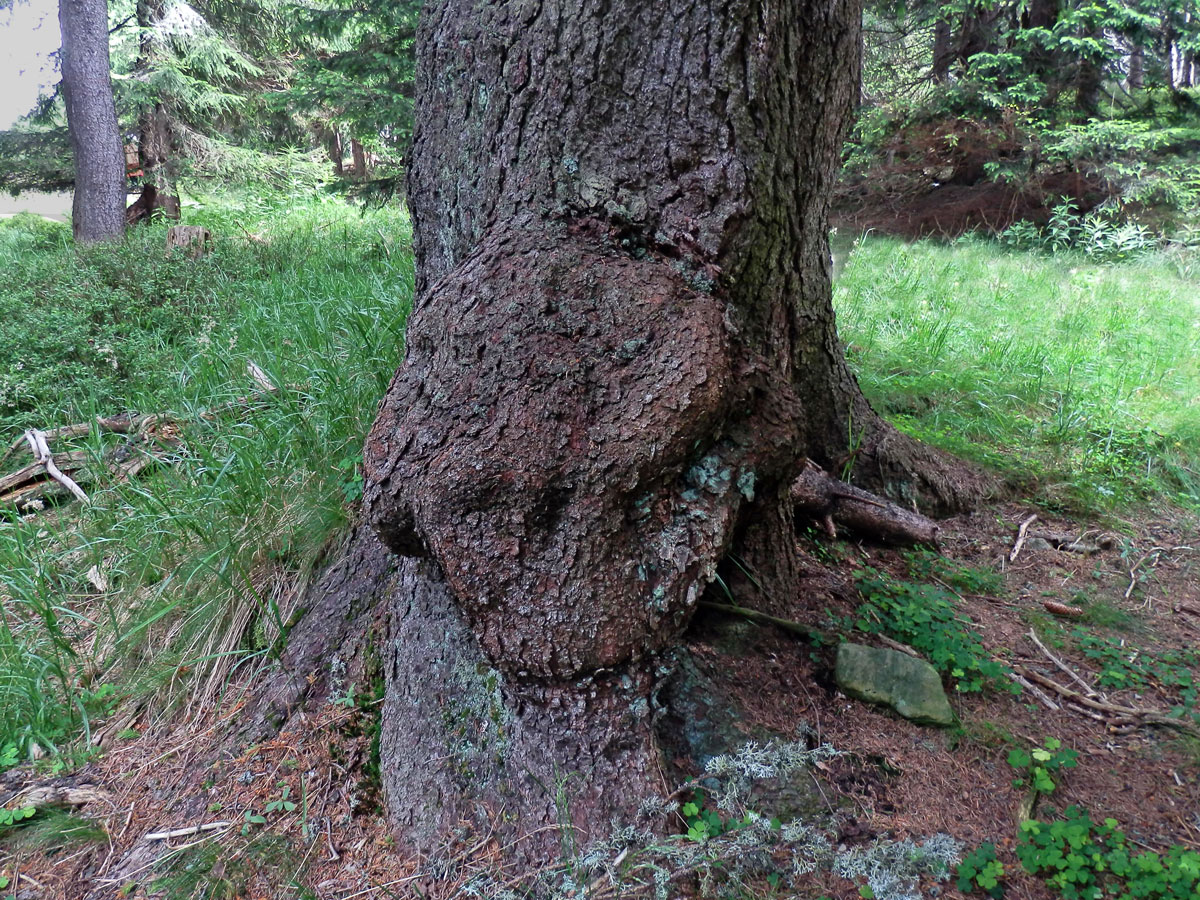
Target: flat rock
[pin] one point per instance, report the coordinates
(908, 685)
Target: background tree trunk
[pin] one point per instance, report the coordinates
(98, 209)
(621, 351)
(943, 49)
(156, 134)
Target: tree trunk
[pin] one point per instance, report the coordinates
(337, 152)
(1089, 78)
(943, 50)
(156, 134)
(359, 155)
(1136, 78)
(622, 349)
(98, 210)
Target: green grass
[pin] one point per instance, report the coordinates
(202, 556)
(1078, 379)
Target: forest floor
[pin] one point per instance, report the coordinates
(304, 812)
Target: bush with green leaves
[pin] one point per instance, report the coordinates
(927, 617)
(1101, 234)
(1034, 767)
(1085, 860)
(980, 870)
(1123, 665)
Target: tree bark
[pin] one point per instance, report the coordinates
(622, 349)
(98, 209)
(943, 50)
(359, 155)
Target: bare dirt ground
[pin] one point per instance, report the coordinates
(897, 779)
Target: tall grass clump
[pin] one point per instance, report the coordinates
(1077, 378)
(168, 582)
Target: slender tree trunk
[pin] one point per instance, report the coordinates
(337, 152)
(98, 210)
(1089, 79)
(943, 50)
(359, 155)
(156, 133)
(1137, 67)
(622, 349)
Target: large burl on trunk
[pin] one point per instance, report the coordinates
(622, 350)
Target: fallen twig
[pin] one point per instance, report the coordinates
(824, 498)
(1022, 532)
(71, 467)
(1120, 714)
(755, 616)
(185, 832)
(1035, 690)
(1062, 666)
(41, 453)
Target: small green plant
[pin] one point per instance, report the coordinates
(1086, 860)
(250, 819)
(352, 487)
(11, 817)
(981, 870)
(705, 822)
(1034, 767)
(927, 618)
(282, 803)
(1123, 665)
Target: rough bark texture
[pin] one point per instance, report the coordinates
(98, 209)
(622, 349)
(327, 649)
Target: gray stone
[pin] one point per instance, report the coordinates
(908, 685)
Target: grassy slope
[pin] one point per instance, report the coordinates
(1079, 379)
(197, 557)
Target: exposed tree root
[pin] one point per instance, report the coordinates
(920, 476)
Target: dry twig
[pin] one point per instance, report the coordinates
(1022, 532)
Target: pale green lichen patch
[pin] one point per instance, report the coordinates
(745, 484)
(476, 720)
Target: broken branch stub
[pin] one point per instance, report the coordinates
(818, 495)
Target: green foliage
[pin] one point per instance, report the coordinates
(1076, 380)
(1034, 767)
(981, 870)
(928, 619)
(705, 822)
(1099, 235)
(360, 80)
(1123, 665)
(1085, 860)
(11, 817)
(198, 554)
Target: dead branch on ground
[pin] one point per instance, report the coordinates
(819, 496)
(151, 439)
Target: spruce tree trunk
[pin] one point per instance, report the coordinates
(621, 351)
(98, 209)
(156, 132)
(943, 50)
